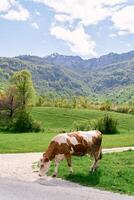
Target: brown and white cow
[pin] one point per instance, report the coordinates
(63, 146)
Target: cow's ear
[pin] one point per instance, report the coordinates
(46, 159)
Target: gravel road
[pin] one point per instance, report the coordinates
(52, 190)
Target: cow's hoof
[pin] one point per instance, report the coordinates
(92, 170)
(54, 175)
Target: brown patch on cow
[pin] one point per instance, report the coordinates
(55, 148)
(80, 150)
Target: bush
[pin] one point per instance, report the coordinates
(36, 126)
(107, 125)
(5, 121)
(81, 125)
(105, 107)
(123, 109)
(25, 123)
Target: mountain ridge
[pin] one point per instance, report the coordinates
(108, 76)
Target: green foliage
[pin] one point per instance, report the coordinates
(5, 122)
(15, 103)
(25, 123)
(101, 82)
(81, 125)
(106, 106)
(107, 125)
(22, 80)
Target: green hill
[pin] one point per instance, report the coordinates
(108, 77)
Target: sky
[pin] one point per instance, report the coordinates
(86, 28)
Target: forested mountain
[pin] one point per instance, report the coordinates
(110, 76)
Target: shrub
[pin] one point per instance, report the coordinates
(107, 125)
(36, 126)
(5, 121)
(81, 125)
(104, 107)
(123, 109)
(25, 123)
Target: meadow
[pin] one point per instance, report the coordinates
(56, 120)
(115, 173)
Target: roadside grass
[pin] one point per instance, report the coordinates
(115, 173)
(56, 120)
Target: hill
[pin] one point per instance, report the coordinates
(107, 77)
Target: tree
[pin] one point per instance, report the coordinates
(9, 102)
(22, 81)
(14, 104)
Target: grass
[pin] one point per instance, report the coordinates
(55, 120)
(115, 173)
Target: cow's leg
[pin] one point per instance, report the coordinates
(94, 165)
(95, 162)
(97, 157)
(68, 158)
(57, 160)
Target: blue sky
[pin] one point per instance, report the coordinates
(71, 27)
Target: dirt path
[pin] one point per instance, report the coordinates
(19, 166)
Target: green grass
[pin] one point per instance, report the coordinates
(55, 120)
(115, 172)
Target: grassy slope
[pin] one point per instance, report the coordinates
(116, 172)
(54, 120)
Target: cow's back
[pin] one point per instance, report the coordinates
(76, 143)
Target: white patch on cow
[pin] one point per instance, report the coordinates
(73, 140)
(57, 160)
(45, 168)
(87, 135)
(72, 150)
(59, 157)
(61, 138)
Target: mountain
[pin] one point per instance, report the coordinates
(108, 77)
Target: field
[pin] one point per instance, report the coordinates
(55, 120)
(116, 172)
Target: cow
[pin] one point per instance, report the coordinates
(64, 145)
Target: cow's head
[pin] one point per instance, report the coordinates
(44, 165)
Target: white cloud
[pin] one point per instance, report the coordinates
(76, 13)
(35, 25)
(63, 18)
(4, 5)
(128, 45)
(124, 20)
(13, 10)
(122, 33)
(88, 12)
(112, 35)
(78, 41)
(37, 13)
